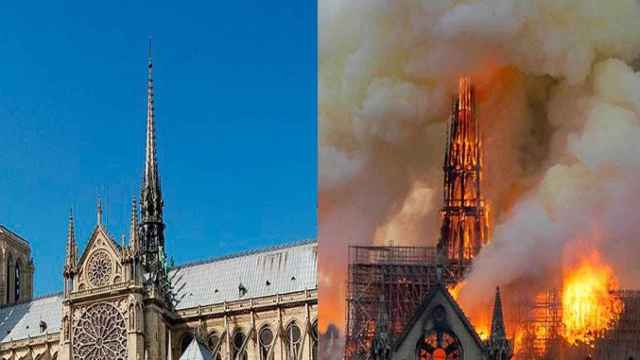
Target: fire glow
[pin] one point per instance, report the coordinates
(588, 306)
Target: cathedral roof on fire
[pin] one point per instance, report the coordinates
(276, 270)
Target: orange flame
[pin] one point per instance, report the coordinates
(588, 306)
(454, 290)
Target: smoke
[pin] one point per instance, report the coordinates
(559, 108)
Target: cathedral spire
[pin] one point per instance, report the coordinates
(151, 228)
(71, 243)
(497, 322)
(151, 177)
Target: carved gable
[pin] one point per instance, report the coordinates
(100, 264)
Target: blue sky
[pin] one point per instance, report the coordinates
(235, 100)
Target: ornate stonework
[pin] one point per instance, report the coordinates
(99, 333)
(99, 269)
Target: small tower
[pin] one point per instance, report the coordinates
(70, 260)
(499, 346)
(464, 219)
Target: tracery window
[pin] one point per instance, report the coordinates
(314, 341)
(265, 338)
(294, 341)
(99, 268)
(99, 334)
(238, 341)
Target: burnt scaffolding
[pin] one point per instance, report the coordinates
(394, 278)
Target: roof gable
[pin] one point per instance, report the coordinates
(439, 292)
(99, 234)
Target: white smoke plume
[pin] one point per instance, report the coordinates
(559, 107)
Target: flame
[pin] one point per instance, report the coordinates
(588, 306)
(482, 329)
(454, 290)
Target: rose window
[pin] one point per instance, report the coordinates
(100, 268)
(100, 334)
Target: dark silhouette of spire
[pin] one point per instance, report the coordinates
(499, 346)
(497, 322)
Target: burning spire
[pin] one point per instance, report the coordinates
(464, 222)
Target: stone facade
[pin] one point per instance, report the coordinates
(134, 324)
(439, 330)
(16, 268)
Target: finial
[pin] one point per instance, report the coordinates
(149, 51)
(99, 211)
(71, 241)
(133, 230)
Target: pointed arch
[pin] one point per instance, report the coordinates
(9, 278)
(18, 282)
(294, 339)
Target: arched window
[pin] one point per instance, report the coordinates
(8, 282)
(212, 343)
(294, 341)
(265, 340)
(314, 340)
(238, 341)
(17, 281)
(184, 344)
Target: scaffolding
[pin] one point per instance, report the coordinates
(401, 276)
(542, 326)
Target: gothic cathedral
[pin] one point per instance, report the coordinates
(127, 302)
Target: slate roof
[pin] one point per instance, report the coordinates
(23, 320)
(276, 270)
(286, 268)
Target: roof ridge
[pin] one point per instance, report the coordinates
(41, 297)
(247, 253)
